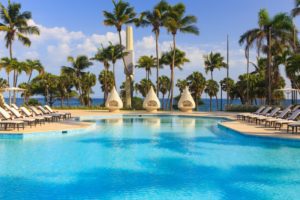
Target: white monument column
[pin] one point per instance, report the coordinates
(129, 60)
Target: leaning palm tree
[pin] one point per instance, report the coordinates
(155, 18)
(78, 65)
(180, 60)
(122, 14)
(34, 65)
(146, 62)
(15, 25)
(177, 21)
(213, 61)
(212, 89)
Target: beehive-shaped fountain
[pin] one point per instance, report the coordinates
(186, 102)
(151, 102)
(114, 102)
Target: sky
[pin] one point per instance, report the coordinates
(75, 27)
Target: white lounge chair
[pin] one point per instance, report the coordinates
(243, 115)
(261, 118)
(283, 114)
(65, 115)
(291, 119)
(27, 113)
(8, 121)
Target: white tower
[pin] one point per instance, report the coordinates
(129, 60)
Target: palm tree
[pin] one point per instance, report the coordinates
(88, 81)
(164, 87)
(212, 89)
(34, 65)
(181, 84)
(177, 21)
(180, 60)
(146, 62)
(3, 83)
(103, 56)
(196, 82)
(122, 14)
(5, 64)
(293, 69)
(213, 61)
(15, 24)
(227, 85)
(106, 80)
(278, 29)
(296, 12)
(26, 94)
(155, 18)
(78, 65)
(115, 52)
(144, 86)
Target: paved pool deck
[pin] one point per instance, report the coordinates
(241, 127)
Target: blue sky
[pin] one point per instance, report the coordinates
(73, 27)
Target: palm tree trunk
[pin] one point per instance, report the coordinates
(269, 67)
(247, 54)
(14, 74)
(163, 101)
(211, 75)
(210, 101)
(29, 78)
(197, 102)
(157, 62)
(217, 102)
(114, 74)
(128, 77)
(172, 73)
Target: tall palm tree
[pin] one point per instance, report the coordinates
(180, 60)
(88, 81)
(196, 83)
(34, 65)
(155, 18)
(78, 65)
(177, 21)
(122, 14)
(164, 87)
(146, 62)
(271, 30)
(212, 89)
(15, 25)
(213, 61)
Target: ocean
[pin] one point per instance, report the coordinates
(99, 101)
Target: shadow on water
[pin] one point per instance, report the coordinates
(172, 174)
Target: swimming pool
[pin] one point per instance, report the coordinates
(151, 157)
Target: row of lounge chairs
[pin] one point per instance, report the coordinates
(15, 117)
(274, 117)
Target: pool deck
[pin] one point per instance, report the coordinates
(241, 127)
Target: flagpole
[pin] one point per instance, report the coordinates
(227, 68)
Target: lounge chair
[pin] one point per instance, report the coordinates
(67, 115)
(37, 112)
(250, 118)
(291, 119)
(243, 115)
(56, 116)
(259, 119)
(8, 121)
(27, 113)
(14, 106)
(283, 115)
(29, 120)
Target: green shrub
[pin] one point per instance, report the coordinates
(241, 108)
(137, 103)
(33, 102)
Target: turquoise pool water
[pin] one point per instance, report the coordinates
(150, 158)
